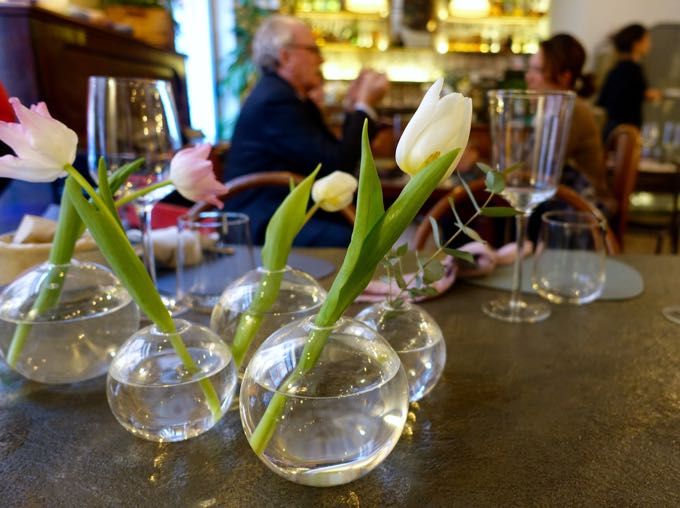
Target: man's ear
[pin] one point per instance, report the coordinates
(284, 56)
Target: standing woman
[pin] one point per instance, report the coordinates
(625, 87)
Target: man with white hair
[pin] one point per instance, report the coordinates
(281, 129)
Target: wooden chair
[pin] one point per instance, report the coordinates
(462, 200)
(264, 179)
(622, 158)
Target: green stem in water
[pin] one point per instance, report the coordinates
(267, 292)
(128, 198)
(69, 228)
(272, 415)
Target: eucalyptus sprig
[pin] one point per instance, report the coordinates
(431, 269)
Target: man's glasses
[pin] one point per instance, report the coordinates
(312, 48)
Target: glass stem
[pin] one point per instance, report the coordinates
(521, 226)
(144, 214)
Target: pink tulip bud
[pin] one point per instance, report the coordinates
(192, 174)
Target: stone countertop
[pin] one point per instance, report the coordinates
(582, 409)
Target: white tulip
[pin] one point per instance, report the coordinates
(335, 191)
(437, 127)
(43, 145)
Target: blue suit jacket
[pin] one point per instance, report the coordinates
(276, 131)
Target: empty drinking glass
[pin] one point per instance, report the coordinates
(213, 249)
(650, 138)
(569, 265)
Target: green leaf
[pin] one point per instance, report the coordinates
(285, 224)
(472, 234)
(452, 204)
(499, 211)
(369, 211)
(485, 167)
(402, 250)
(434, 271)
(495, 182)
(426, 291)
(399, 277)
(120, 176)
(461, 254)
(105, 191)
(435, 231)
(469, 193)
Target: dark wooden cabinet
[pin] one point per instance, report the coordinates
(48, 57)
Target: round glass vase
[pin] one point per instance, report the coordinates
(299, 296)
(339, 419)
(417, 339)
(156, 395)
(75, 338)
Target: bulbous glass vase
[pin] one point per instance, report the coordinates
(156, 395)
(340, 418)
(64, 323)
(299, 296)
(417, 339)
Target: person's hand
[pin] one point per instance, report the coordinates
(371, 87)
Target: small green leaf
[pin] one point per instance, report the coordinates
(495, 182)
(402, 250)
(461, 254)
(472, 234)
(291, 185)
(435, 231)
(499, 211)
(120, 176)
(426, 291)
(485, 167)
(459, 222)
(434, 271)
(399, 278)
(469, 193)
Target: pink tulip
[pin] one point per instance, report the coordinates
(193, 177)
(43, 145)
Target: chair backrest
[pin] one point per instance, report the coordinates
(478, 188)
(622, 152)
(264, 179)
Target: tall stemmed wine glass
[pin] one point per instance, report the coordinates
(129, 118)
(528, 129)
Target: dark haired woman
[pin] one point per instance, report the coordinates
(558, 65)
(625, 87)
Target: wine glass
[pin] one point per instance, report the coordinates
(528, 129)
(650, 138)
(129, 118)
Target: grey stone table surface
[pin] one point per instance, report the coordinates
(582, 409)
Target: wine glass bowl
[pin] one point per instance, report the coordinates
(529, 131)
(127, 119)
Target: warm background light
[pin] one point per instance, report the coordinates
(469, 8)
(367, 6)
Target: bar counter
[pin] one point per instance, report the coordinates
(582, 409)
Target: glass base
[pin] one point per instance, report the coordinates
(672, 313)
(516, 312)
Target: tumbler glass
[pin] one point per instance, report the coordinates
(213, 249)
(569, 265)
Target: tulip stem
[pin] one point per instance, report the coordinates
(96, 198)
(310, 214)
(141, 192)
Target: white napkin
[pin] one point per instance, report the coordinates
(165, 241)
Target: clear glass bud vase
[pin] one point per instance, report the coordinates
(262, 301)
(341, 417)
(156, 395)
(64, 323)
(417, 339)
